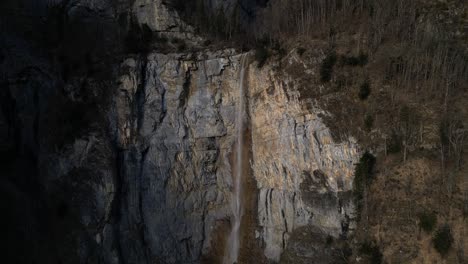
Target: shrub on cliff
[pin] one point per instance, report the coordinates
(372, 251)
(443, 239)
(364, 90)
(261, 55)
(394, 143)
(427, 221)
(369, 122)
(301, 51)
(326, 69)
(359, 60)
(363, 171)
(363, 176)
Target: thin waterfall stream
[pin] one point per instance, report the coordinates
(233, 243)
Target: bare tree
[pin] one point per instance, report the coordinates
(408, 127)
(457, 135)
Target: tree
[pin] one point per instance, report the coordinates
(427, 221)
(363, 176)
(372, 251)
(457, 134)
(443, 240)
(364, 90)
(326, 69)
(443, 140)
(369, 122)
(261, 55)
(409, 131)
(452, 134)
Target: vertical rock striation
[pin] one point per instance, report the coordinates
(304, 177)
(176, 118)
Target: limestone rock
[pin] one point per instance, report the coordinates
(175, 125)
(301, 172)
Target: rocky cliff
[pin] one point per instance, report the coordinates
(148, 177)
(302, 174)
(175, 123)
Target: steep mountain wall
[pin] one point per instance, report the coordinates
(176, 124)
(175, 117)
(150, 179)
(304, 177)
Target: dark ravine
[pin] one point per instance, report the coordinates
(116, 204)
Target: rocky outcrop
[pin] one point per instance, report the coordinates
(303, 175)
(160, 17)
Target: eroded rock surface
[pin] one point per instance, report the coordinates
(176, 127)
(302, 174)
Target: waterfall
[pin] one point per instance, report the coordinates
(233, 243)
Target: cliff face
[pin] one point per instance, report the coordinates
(304, 177)
(136, 166)
(175, 130)
(175, 124)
